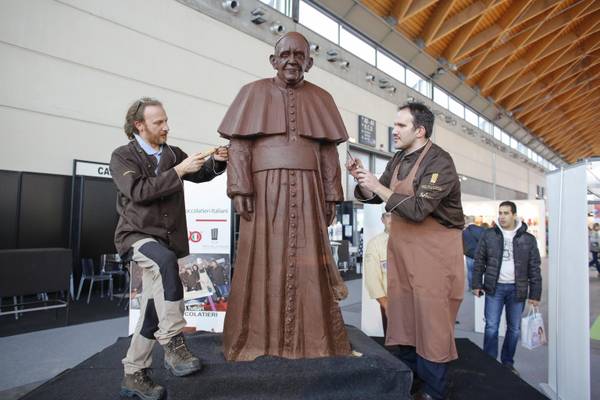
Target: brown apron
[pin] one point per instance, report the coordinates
(425, 280)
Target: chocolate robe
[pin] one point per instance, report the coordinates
(283, 153)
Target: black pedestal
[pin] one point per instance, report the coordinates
(375, 375)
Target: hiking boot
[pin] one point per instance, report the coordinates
(178, 359)
(139, 384)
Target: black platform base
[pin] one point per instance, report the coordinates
(375, 375)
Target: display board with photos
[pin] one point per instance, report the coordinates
(206, 272)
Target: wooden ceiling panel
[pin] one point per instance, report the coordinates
(539, 60)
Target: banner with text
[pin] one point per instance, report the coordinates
(206, 272)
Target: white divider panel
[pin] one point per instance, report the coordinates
(568, 291)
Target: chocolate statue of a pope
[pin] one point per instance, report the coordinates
(284, 178)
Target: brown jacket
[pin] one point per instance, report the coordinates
(436, 186)
(152, 204)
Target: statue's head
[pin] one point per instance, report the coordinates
(292, 57)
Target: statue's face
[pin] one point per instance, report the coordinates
(292, 58)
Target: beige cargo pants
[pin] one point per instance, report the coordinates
(161, 305)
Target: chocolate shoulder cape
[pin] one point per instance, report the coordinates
(259, 109)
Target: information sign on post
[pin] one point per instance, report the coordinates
(366, 131)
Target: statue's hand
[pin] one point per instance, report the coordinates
(340, 291)
(329, 212)
(243, 205)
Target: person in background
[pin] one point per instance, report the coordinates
(219, 278)
(595, 246)
(471, 235)
(376, 267)
(507, 271)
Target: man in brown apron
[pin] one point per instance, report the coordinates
(425, 261)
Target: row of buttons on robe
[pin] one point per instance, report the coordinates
(293, 225)
(292, 114)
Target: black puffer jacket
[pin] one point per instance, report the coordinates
(488, 261)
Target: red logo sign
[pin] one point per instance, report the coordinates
(195, 237)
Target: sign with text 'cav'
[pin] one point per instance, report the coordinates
(87, 168)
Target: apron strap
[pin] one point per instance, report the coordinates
(413, 172)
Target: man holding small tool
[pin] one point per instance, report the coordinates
(425, 271)
(152, 232)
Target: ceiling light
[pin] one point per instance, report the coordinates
(257, 16)
(231, 5)
(277, 28)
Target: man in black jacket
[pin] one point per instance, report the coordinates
(471, 235)
(508, 260)
(152, 232)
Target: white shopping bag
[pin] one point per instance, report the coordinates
(533, 334)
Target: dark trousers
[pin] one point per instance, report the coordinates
(433, 374)
(595, 262)
(383, 320)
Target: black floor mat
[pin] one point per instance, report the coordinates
(375, 375)
(475, 375)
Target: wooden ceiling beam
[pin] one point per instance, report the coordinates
(465, 32)
(588, 27)
(560, 42)
(562, 89)
(400, 9)
(520, 42)
(558, 22)
(506, 82)
(581, 116)
(555, 84)
(415, 7)
(473, 12)
(555, 136)
(566, 68)
(530, 84)
(553, 114)
(586, 86)
(434, 23)
(581, 149)
(582, 133)
(492, 34)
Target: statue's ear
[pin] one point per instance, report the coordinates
(272, 61)
(309, 64)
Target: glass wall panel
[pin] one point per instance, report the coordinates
(319, 22)
(456, 107)
(440, 97)
(471, 117)
(390, 67)
(357, 46)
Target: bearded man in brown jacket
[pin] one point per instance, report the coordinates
(152, 232)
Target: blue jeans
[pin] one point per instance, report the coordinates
(470, 263)
(505, 296)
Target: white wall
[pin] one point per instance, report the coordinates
(70, 69)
